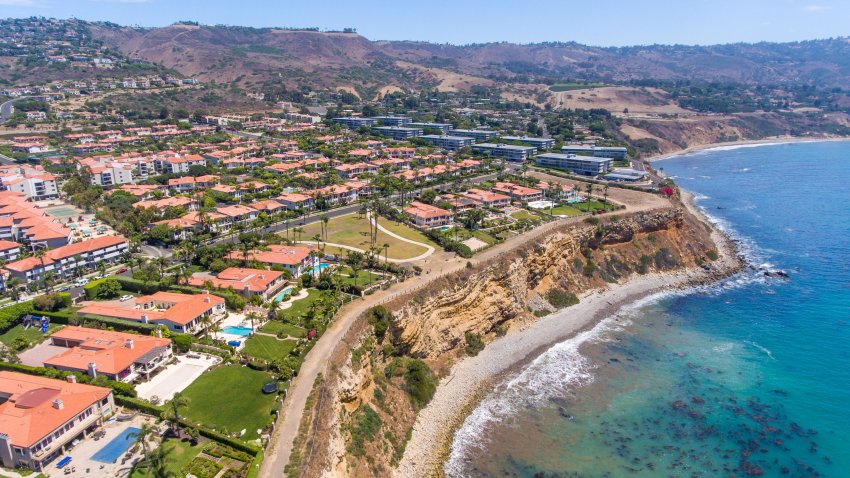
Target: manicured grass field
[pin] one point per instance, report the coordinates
(594, 205)
(481, 235)
(301, 306)
(565, 211)
(33, 334)
(180, 453)
(362, 276)
(230, 398)
(523, 214)
(276, 327)
(352, 230)
(406, 232)
(268, 348)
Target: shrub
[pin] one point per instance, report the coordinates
(643, 266)
(140, 405)
(561, 298)
(665, 259)
(203, 468)
(419, 382)
(109, 288)
(364, 427)
(93, 288)
(592, 220)
(379, 318)
(713, 255)
(9, 316)
(52, 302)
(589, 268)
(183, 342)
(135, 285)
(474, 344)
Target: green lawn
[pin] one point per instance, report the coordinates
(276, 327)
(33, 334)
(523, 214)
(352, 230)
(301, 306)
(362, 276)
(565, 211)
(230, 398)
(594, 205)
(267, 348)
(180, 453)
(481, 235)
(406, 232)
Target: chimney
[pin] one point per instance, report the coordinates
(144, 318)
(58, 404)
(159, 333)
(129, 343)
(71, 379)
(92, 370)
(207, 299)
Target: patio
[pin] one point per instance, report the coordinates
(176, 377)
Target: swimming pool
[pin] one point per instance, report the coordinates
(237, 330)
(280, 295)
(116, 447)
(319, 267)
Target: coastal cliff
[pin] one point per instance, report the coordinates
(386, 372)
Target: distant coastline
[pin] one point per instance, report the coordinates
(744, 143)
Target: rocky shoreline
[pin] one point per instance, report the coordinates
(472, 378)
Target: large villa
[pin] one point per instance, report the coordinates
(179, 312)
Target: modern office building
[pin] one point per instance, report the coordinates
(613, 152)
(626, 174)
(352, 122)
(392, 120)
(539, 143)
(452, 143)
(512, 153)
(584, 165)
(398, 132)
(443, 127)
(478, 134)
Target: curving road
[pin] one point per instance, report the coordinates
(8, 107)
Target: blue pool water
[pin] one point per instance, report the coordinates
(319, 267)
(116, 447)
(279, 297)
(748, 377)
(237, 330)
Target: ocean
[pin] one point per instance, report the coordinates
(748, 377)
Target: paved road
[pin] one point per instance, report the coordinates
(7, 108)
(6, 161)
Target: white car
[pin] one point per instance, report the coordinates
(126, 297)
(81, 282)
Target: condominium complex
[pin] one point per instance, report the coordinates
(478, 134)
(613, 152)
(451, 143)
(510, 152)
(398, 132)
(65, 261)
(584, 165)
(352, 122)
(539, 143)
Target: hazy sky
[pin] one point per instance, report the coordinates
(594, 22)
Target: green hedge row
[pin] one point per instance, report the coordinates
(141, 405)
(104, 322)
(92, 288)
(221, 438)
(232, 300)
(137, 286)
(9, 315)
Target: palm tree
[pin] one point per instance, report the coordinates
(177, 401)
(253, 317)
(318, 239)
(141, 436)
(13, 285)
(386, 253)
(325, 220)
(40, 253)
(605, 193)
(157, 465)
(161, 264)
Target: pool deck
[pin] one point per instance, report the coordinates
(81, 454)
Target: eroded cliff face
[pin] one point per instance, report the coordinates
(370, 412)
(493, 297)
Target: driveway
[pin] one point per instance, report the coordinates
(176, 377)
(36, 356)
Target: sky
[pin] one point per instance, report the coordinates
(592, 22)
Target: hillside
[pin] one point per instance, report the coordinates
(255, 56)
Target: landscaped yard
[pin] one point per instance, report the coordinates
(276, 327)
(363, 277)
(230, 399)
(180, 453)
(33, 334)
(481, 235)
(564, 211)
(268, 348)
(301, 306)
(523, 214)
(406, 232)
(353, 230)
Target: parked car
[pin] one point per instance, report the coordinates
(81, 282)
(126, 297)
(64, 288)
(122, 270)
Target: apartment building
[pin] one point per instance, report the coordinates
(444, 128)
(539, 143)
(40, 417)
(34, 183)
(66, 260)
(510, 152)
(352, 122)
(477, 134)
(613, 152)
(584, 165)
(398, 133)
(392, 120)
(451, 143)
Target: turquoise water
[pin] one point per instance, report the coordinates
(320, 267)
(237, 330)
(745, 378)
(280, 295)
(116, 447)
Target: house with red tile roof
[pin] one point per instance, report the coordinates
(488, 198)
(293, 201)
(298, 260)
(117, 355)
(426, 215)
(40, 417)
(520, 193)
(179, 312)
(66, 260)
(244, 281)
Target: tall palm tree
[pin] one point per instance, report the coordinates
(158, 464)
(177, 401)
(39, 254)
(605, 194)
(325, 220)
(386, 253)
(253, 317)
(141, 436)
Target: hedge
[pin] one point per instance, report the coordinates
(141, 405)
(137, 286)
(215, 436)
(92, 288)
(254, 470)
(105, 322)
(9, 315)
